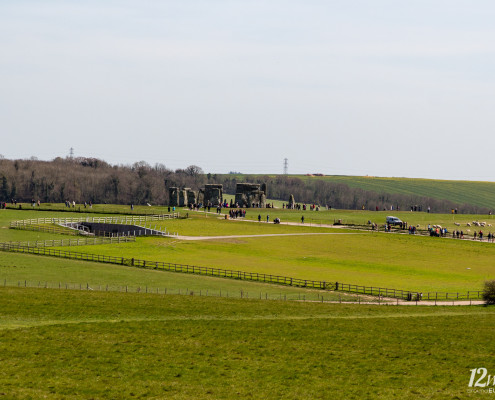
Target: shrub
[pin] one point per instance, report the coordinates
(489, 292)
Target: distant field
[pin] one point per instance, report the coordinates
(68, 344)
(481, 194)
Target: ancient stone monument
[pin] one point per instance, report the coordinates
(173, 194)
(250, 195)
(292, 203)
(181, 197)
(213, 194)
(191, 196)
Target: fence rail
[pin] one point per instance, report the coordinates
(243, 275)
(242, 293)
(48, 229)
(107, 220)
(74, 242)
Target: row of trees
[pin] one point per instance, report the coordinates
(93, 180)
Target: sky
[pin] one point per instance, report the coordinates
(350, 87)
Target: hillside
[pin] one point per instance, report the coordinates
(481, 194)
(441, 195)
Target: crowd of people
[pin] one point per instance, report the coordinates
(237, 213)
(303, 207)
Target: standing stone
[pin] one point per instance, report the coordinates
(250, 195)
(201, 196)
(292, 203)
(191, 197)
(183, 197)
(213, 194)
(173, 194)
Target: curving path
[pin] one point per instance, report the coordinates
(261, 235)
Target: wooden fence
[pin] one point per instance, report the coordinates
(133, 219)
(86, 241)
(243, 275)
(48, 229)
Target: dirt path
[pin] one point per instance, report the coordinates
(258, 236)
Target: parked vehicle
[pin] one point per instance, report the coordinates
(393, 220)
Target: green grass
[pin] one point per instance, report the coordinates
(201, 224)
(461, 192)
(96, 209)
(33, 271)
(69, 344)
(421, 264)
(477, 193)
(352, 217)
(405, 262)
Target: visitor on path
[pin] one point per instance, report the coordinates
(259, 217)
(302, 219)
(267, 218)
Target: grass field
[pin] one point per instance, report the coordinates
(70, 344)
(32, 271)
(421, 264)
(477, 193)
(352, 217)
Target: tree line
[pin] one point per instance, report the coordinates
(93, 180)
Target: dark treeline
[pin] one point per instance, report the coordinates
(93, 180)
(342, 196)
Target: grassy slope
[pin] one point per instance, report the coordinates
(58, 344)
(386, 260)
(313, 219)
(393, 261)
(472, 192)
(29, 270)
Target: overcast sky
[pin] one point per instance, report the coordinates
(383, 88)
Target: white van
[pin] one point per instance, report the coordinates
(393, 221)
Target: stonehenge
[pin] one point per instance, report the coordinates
(292, 202)
(212, 194)
(246, 195)
(250, 195)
